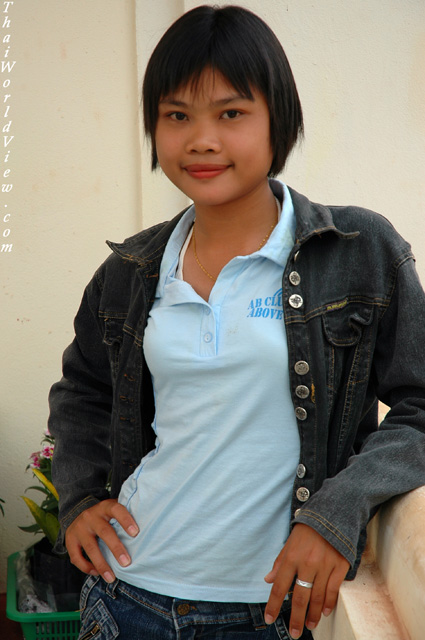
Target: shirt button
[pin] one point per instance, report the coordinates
(301, 413)
(301, 471)
(296, 301)
(302, 391)
(207, 337)
(301, 367)
(303, 494)
(294, 278)
(207, 311)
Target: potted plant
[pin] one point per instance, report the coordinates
(38, 575)
(54, 571)
(46, 514)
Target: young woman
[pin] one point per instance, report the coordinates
(226, 369)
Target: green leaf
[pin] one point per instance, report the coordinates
(38, 488)
(52, 528)
(46, 521)
(46, 482)
(34, 528)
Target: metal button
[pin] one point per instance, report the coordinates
(183, 609)
(302, 391)
(296, 256)
(301, 367)
(301, 413)
(296, 301)
(297, 513)
(301, 471)
(303, 494)
(294, 278)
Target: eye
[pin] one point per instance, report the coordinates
(231, 114)
(177, 115)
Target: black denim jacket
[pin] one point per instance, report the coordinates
(354, 312)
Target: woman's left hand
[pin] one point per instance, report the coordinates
(310, 558)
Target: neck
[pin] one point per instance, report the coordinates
(239, 225)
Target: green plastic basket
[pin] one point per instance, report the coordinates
(39, 626)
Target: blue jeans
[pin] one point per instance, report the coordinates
(119, 610)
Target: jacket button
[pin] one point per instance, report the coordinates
(303, 494)
(296, 256)
(294, 278)
(301, 367)
(297, 513)
(301, 471)
(302, 391)
(296, 301)
(301, 413)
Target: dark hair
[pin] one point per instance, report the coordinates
(238, 44)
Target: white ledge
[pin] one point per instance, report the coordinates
(386, 601)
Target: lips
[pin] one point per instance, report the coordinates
(204, 171)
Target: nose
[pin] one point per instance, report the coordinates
(202, 138)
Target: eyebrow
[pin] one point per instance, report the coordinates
(217, 103)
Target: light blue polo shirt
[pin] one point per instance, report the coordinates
(213, 499)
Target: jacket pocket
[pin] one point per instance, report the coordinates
(344, 322)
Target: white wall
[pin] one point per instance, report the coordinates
(359, 71)
(78, 177)
(75, 167)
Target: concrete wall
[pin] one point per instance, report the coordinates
(78, 175)
(75, 170)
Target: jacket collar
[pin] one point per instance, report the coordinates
(147, 247)
(314, 219)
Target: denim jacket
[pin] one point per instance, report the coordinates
(354, 313)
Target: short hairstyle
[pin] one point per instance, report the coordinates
(238, 44)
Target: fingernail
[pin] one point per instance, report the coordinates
(108, 576)
(327, 612)
(132, 530)
(124, 560)
(311, 625)
(93, 572)
(295, 633)
(268, 619)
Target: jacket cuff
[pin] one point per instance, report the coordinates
(332, 535)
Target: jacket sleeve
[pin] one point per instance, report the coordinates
(80, 416)
(391, 460)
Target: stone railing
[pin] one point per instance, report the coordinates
(386, 601)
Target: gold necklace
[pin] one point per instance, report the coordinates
(262, 243)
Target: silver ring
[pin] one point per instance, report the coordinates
(301, 583)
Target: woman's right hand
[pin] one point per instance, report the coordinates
(93, 523)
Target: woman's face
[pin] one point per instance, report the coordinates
(212, 142)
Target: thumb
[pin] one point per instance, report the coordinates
(271, 576)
